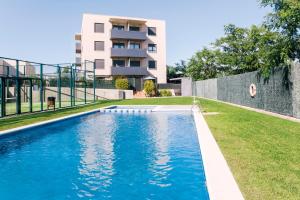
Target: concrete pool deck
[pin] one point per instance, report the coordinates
(221, 184)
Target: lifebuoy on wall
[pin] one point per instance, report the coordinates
(252, 90)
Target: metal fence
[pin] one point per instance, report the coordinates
(26, 86)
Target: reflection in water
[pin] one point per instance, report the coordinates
(160, 165)
(97, 154)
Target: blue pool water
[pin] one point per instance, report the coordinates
(105, 156)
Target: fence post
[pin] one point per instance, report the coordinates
(94, 81)
(2, 93)
(71, 85)
(18, 89)
(59, 85)
(84, 82)
(30, 95)
(41, 87)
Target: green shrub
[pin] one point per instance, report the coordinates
(122, 83)
(165, 93)
(149, 88)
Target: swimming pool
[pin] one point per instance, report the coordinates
(105, 156)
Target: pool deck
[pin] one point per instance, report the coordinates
(221, 184)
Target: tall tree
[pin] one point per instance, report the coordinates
(203, 65)
(286, 19)
(245, 50)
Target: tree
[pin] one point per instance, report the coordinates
(176, 71)
(249, 49)
(122, 83)
(286, 19)
(149, 88)
(203, 65)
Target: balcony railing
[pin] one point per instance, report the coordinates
(129, 71)
(128, 35)
(135, 53)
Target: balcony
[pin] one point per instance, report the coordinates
(78, 37)
(129, 71)
(128, 35)
(134, 53)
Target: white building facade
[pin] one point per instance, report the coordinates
(123, 46)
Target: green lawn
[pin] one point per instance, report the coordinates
(262, 151)
(22, 120)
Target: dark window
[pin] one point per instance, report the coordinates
(135, 63)
(152, 64)
(119, 63)
(134, 28)
(99, 63)
(152, 48)
(99, 28)
(118, 45)
(99, 46)
(118, 27)
(151, 30)
(135, 46)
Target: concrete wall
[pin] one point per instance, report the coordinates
(207, 88)
(65, 94)
(272, 95)
(296, 90)
(186, 87)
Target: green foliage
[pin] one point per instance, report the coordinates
(286, 19)
(240, 50)
(203, 65)
(165, 93)
(249, 49)
(176, 71)
(149, 88)
(122, 83)
(263, 48)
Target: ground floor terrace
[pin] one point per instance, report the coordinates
(262, 151)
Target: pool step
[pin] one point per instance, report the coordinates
(117, 110)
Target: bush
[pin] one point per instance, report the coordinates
(149, 88)
(122, 83)
(165, 93)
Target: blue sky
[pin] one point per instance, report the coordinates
(43, 30)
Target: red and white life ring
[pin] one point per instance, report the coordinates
(252, 90)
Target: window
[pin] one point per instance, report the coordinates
(99, 46)
(99, 28)
(152, 64)
(119, 63)
(118, 45)
(135, 63)
(135, 46)
(118, 27)
(152, 47)
(152, 31)
(134, 28)
(99, 63)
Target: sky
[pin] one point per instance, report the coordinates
(43, 30)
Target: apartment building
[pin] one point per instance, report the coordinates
(123, 46)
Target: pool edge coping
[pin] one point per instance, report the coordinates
(215, 166)
(220, 181)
